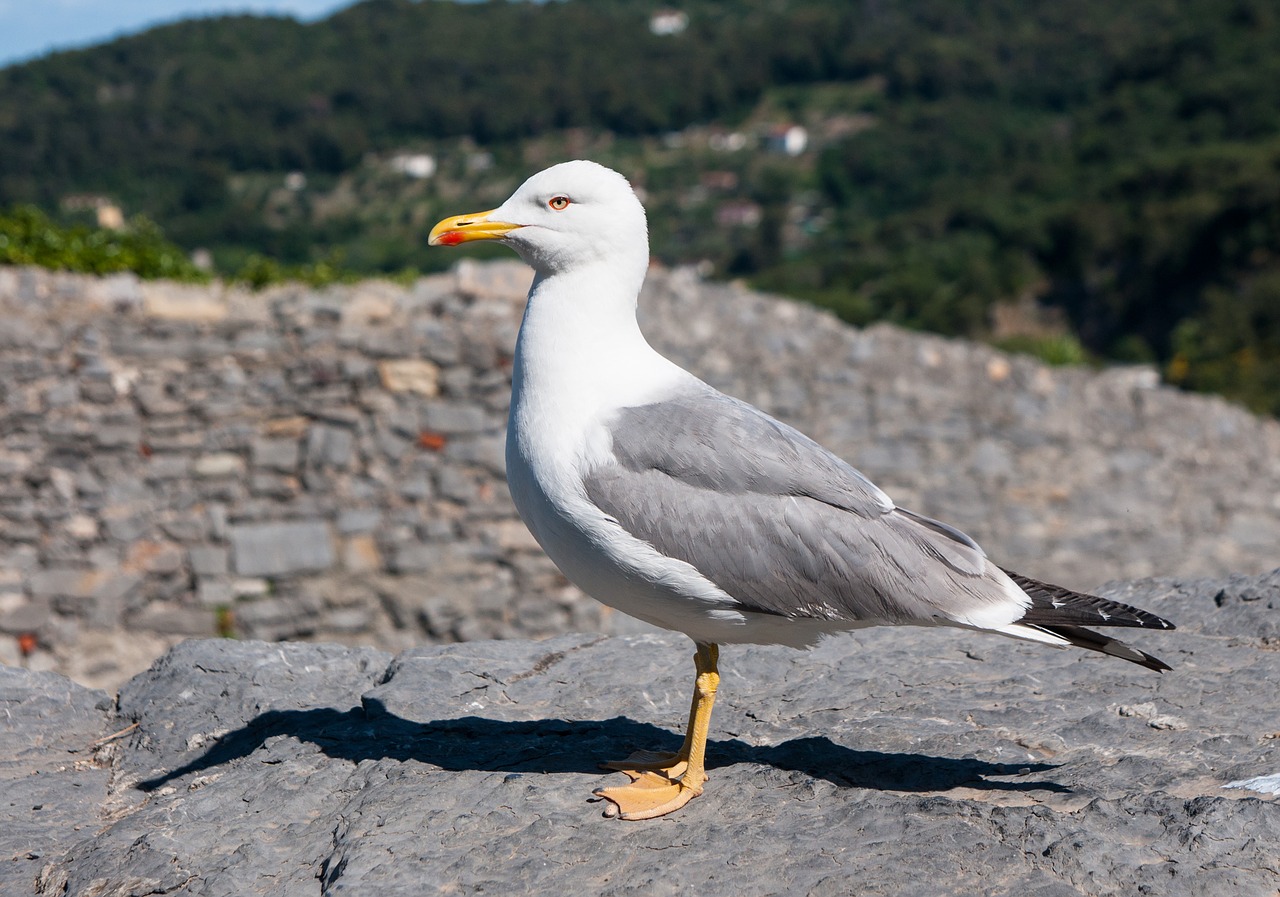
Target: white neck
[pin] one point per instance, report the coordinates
(581, 347)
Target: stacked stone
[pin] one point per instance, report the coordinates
(328, 463)
(290, 464)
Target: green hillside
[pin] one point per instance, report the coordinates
(1077, 178)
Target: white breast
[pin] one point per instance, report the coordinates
(565, 387)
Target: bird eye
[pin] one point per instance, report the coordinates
(559, 203)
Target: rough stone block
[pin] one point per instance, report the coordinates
(275, 454)
(96, 595)
(155, 402)
(330, 446)
(503, 280)
(14, 464)
(489, 452)
(281, 549)
(369, 305)
(287, 427)
(209, 560)
(160, 558)
(184, 527)
(115, 436)
(58, 583)
(11, 582)
(512, 535)
(171, 619)
(360, 554)
(160, 467)
(62, 394)
(414, 488)
(456, 417)
(250, 587)
(100, 392)
(30, 616)
(219, 464)
(358, 520)
(458, 485)
(82, 527)
(272, 619)
(412, 375)
(214, 591)
(417, 557)
(347, 619)
(274, 485)
(168, 301)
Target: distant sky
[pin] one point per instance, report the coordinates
(30, 28)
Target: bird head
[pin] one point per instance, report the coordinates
(570, 215)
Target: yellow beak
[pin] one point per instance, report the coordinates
(465, 228)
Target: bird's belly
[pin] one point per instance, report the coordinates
(577, 551)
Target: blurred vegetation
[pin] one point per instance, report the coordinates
(259, 271)
(1116, 164)
(29, 237)
(1059, 349)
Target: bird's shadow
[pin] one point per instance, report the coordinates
(576, 746)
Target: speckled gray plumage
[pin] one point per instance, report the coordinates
(777, 521)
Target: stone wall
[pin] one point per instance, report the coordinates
(328, 464)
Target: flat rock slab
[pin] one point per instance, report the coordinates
(888, 762)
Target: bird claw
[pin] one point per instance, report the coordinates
(649, 795)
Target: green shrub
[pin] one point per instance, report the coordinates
(30, 237)
(260, 271)
(1057, 350)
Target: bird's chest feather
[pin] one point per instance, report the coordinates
(544, 456)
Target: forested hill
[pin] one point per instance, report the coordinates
(245, 93)
(1116, 163)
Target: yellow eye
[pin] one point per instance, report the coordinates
(559, 203)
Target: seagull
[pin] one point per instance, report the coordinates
(697, 512)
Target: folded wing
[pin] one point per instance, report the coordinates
(783, 525)
(786, 527)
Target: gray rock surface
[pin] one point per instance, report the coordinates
(889, 762)
(328, 464)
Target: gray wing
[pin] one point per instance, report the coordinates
(780, 523)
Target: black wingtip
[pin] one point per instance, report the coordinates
(1096, 641)
(1053, 605)
(1144, 659)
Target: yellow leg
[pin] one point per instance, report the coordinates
(670, 765)
(663, 783)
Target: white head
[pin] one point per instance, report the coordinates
(571, 215)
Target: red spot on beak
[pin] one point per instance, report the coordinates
(450, 238)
